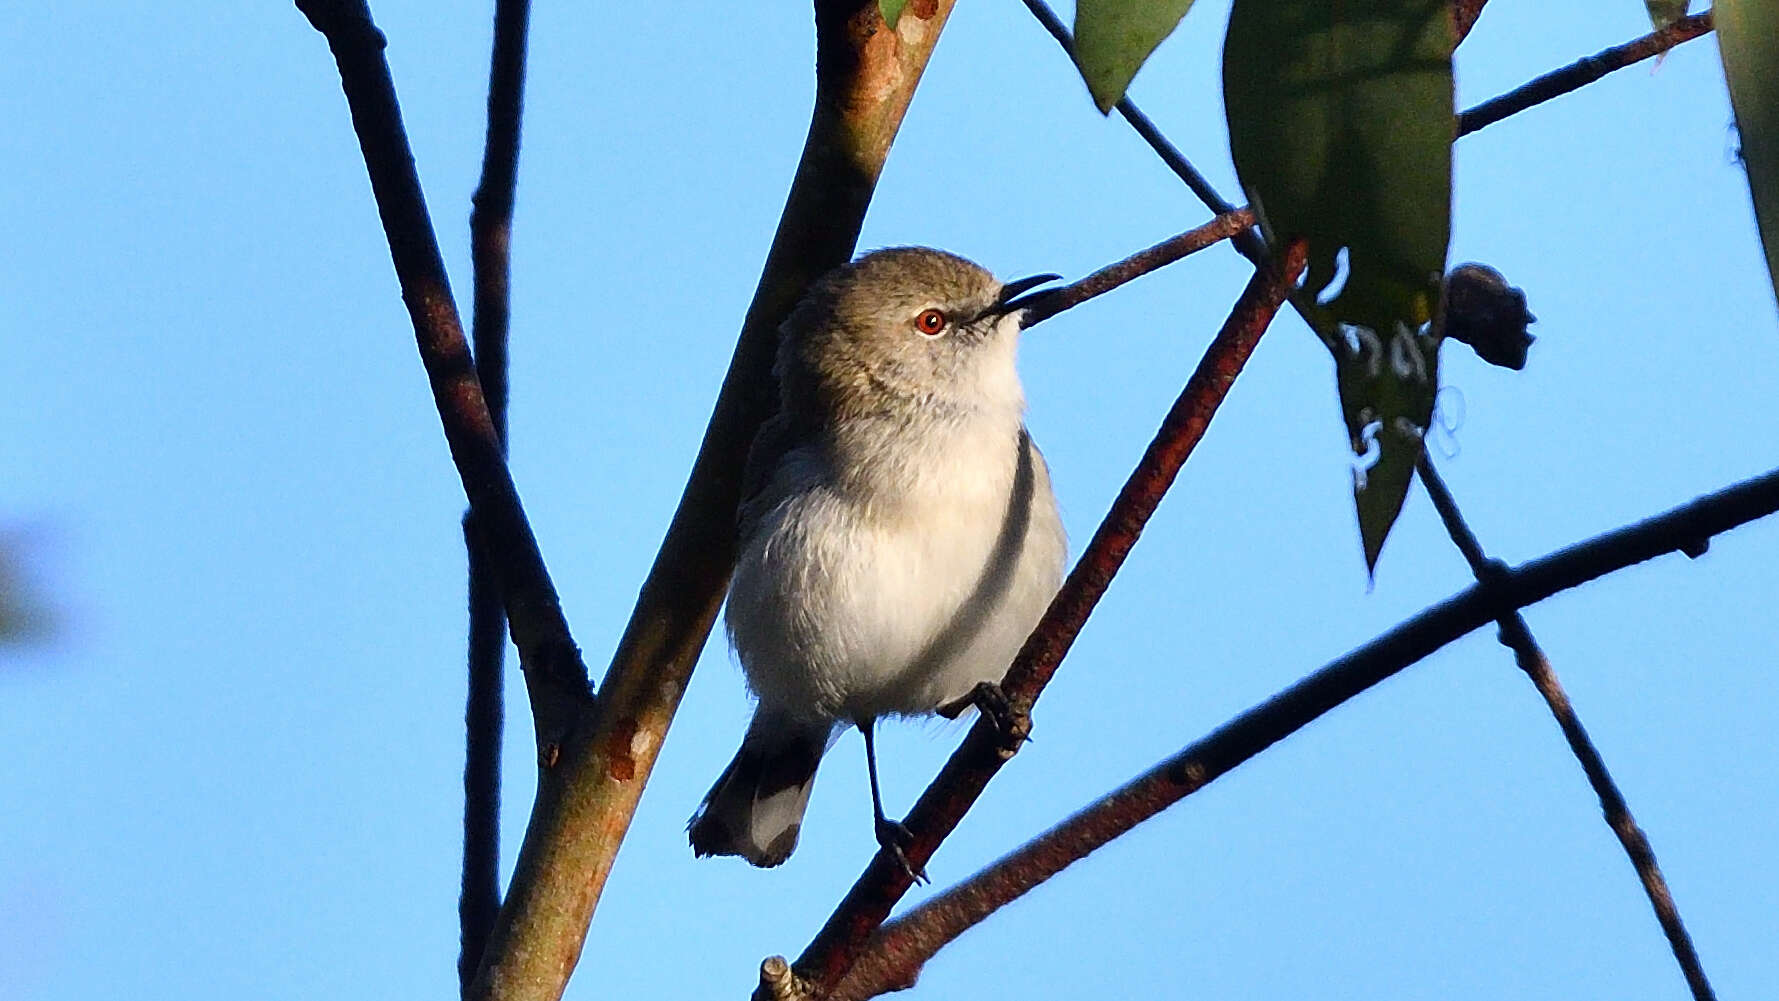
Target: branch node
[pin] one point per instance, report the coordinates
(1696, 547)
(778, 982)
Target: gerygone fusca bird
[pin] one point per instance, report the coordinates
(898, 535)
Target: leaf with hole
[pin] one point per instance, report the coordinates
(1113, 38)
(1341, 126)
(1748, 37)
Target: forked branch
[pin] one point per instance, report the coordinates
(554, 675)
(896, 954)
(1517, 636)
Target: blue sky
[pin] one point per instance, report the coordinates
(236, 771)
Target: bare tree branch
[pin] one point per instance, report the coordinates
(900, 949)
(985, 749)
(554, 674)
(1142, 262)
(490, 223)
(1517, 636)
(1583, 72)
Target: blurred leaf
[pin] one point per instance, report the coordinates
(1341, 126)
(24, 617)
(891, 10)
(1665, 12)
(1748, 37)
(1113, 38)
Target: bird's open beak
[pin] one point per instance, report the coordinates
(1012, 298)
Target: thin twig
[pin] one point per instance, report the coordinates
(901, 948)
(1583, 72)
(1142, 262)
(490, 223)
(1248, 242)
(1517, 636)
(984, 750)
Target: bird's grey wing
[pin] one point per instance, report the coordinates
(774, 442)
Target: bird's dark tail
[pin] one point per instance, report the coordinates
(755, 810)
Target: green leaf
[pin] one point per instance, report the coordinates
(1113, 38)
(891, 10)
(1748, 37)
(1341, 126)
(1665, 12)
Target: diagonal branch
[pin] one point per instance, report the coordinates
(900, 949)
(1582, 72)
(1517, 636)
(1229, 224)
(984, 750)
(490, 223)
(554, 675)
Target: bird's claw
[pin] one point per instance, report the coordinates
(1012, 723)
(894, 837)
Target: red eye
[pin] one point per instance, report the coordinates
(930, 322)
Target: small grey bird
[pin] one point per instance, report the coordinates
(898, 535)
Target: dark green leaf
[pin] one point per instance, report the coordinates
(1113, 38)
(1748, 37)
(1665, 12)
(1341, 126)
(891, 10)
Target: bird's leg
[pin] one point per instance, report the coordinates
(1012, 723)
(892, 836)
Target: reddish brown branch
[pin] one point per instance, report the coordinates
(490, 223)
(897, 953)
(1139, 264)
(1464, 15)
(1517, 636)
(1583, 72)
(983, 751)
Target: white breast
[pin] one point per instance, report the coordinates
(896, 591)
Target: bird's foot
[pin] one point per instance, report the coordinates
(894, 837)
(1012, 723)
